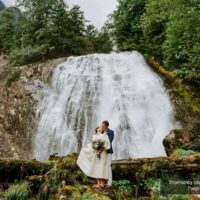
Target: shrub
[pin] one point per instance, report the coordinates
(29, 54)
(19, 191)
(124, 185)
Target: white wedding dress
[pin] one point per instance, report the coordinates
(90, 164)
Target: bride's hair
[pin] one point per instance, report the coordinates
(96, 129)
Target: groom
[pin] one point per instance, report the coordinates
(110, 133)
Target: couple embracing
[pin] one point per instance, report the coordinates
(95, 159)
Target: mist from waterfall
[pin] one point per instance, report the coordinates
(118, 87)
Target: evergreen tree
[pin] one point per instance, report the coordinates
(126, 28)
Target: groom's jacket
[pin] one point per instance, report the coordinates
(110, 134)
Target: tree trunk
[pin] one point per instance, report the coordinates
(126, 169)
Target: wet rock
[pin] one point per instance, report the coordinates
(186, 101)
(176, 139)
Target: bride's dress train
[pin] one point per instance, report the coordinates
(90, 164)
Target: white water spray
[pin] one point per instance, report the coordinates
(118, 87)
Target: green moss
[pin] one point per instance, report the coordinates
(14, 76)
(65, 169)
(185, 92)
(19, 191)
(186, 102)
(177, 85)
(71, 192)
(90, 194)
(183, 152)
(81, 192)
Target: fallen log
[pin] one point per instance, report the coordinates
(18, 169)
(123, 169)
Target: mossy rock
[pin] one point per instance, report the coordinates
(80, 192)
(69, 192)
(180, 139)
(186, 100)
(175, 139)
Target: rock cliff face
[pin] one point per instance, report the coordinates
(186, 101)
(18, 101)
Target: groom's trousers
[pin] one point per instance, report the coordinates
(109, 161)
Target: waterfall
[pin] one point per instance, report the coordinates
(118, 87)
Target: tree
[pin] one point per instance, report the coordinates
(153, 24)
(170, 32)
(103, 42)
(126, 24)
(181, 49)
(48, 29)
(45, 20)
(8, 18)
(99, 41)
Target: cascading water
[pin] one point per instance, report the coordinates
(118, 87)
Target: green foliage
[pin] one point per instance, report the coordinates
(153, 24)
(19, 191)
(14, 76)
(124, 185)
(47, 29)
(181, 48)
(29, 54)
(126, 28)
(183, 152)
(153, 184)
(98, 41)
(168, 31)
(8, 19)
(179, 197)
(50, 27)
(66, 170)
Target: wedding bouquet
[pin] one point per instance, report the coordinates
(98, 145)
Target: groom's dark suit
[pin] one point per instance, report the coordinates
(110, 134)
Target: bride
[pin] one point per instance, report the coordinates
(94, 162)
